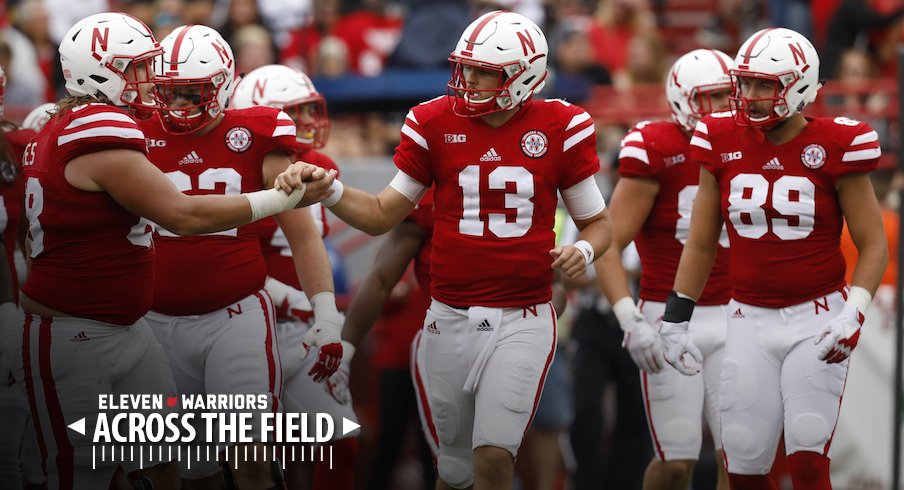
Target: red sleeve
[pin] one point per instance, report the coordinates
(98, 127)
(412, 156)
(859, 146)
(579, 149)
(422, 214)
(633, 157)
(701, 147)
(282, 136)
(18, 140)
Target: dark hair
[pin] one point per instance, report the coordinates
(71, 101)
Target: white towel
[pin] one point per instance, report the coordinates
(482, 318)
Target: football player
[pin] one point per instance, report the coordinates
(90, 193)
(784, 184)
(293, 92)
(497, 160)
(218, 326)
(651, 204)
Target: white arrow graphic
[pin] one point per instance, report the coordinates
(78, 426)
(347, 425)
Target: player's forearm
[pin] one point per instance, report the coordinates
(597, 232)
(365, 309)
(693, 270)
(363, 211)
(871, 264)
(195, 215)
(610, 273)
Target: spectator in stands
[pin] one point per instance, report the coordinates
(241, 13)
(332, 57)
(425, 43)
(253, 48)
(198, 11)
(617, 21)
(576, 70)
(168, 16)
(301, 50)
(852, 18)
(647, 62)
(24, 81)
(63, 14)
(31, 19)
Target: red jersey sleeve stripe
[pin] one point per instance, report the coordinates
(702, 143)
(577, 120)
(107, 131)
(578, 137)
(864, 138)
(859, 155)
(632, 137)
(634, 152)
(100, 116)
(407, 130)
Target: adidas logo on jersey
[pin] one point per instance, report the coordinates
(431, 328)
(191, 158)
(773, 164)
(738, 314)
(79, 337)
(491, 156)
(484, 326)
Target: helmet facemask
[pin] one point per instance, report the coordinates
(190, 105)
(700, 101)
(778, 110)
(138, 74)
(311, 121)
(474, 102)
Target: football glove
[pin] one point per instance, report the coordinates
(337, 384)
(641, 339)
(675, 340)
(325, 336)
(840, 335)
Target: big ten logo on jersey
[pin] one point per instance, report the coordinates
(456, 138)
(731, 156)
(674, 160)
(152, 143)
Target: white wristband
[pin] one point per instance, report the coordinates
(624, 311)
(338, 189)
(272, 201)
(860, 298)
(586, 250)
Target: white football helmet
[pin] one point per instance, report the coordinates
(38, 117)
(196, 78)
(503, 42)
(691, 82)
(96, 52)
(292, 91)
(784, 56)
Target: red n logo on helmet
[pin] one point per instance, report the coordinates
(98, 38)
(526, 41)
(257, 93)
(797, 51)
(224, 56)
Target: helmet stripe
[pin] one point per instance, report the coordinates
(721, 61)
(174, 56)
(486, 20)
(753, 42)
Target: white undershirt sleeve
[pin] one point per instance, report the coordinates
(584, 199)
(408, 187)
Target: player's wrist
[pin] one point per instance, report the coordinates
(324, 306)
(624, 311)
(859, 298)
(338, 189)
(678, 308)
(586, 250)
(272, 201)
(348, 351)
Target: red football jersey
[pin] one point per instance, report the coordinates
(661, 151)
(423, 216)
(91, 257)
(200, 274)
(273, 242)
(496, 195)
(780, 205)
(12, 197)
